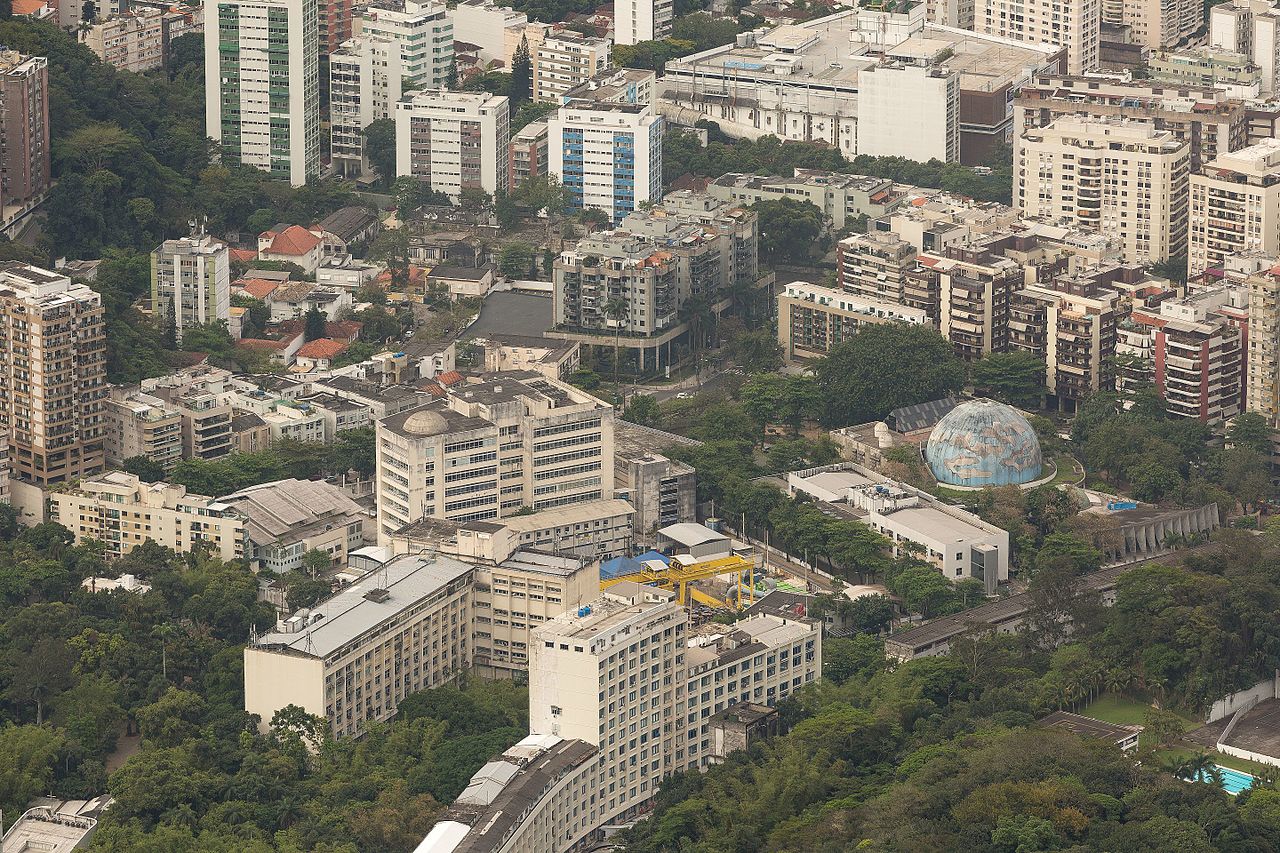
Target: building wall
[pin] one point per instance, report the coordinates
(191, 282)
(812, 319)
(453, 141)
(636, 20)
(909, 111)
(272, 681)
(1076, 25)
(564, 61)
(608, 156)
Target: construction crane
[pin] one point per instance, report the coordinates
(678, 575)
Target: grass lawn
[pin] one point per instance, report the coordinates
(1125, 711)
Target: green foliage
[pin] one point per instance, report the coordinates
(1016, 378)
(144, 468)
(1250, 430)
(775, 398)
(315, 324)
(789, 228)
(521, 87)
(755, 351)
(380, 148)
(529, 112)
(287, 458)
(515, 259)
(643, 410)
(884, 367)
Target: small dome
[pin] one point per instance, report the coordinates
(425, 422)
(983, 443)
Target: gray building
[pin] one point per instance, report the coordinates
(663, 491)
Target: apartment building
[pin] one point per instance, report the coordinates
(662, 491)
(334, 24)
(1207, 119)
(1211, 67)
(131, 41)
(528, 157)
(1116, 176)
(762, 84)
(635, 21)
(24, 134)
(401, 46)
(1250, 27)
(892, 121)
(1070, 323)
(875, 266)
(453, 141)
(195, 394)
(1156, 23)
(496, 30)
(490, 448)
(607, 156)
(262, 94)
(843, 199)
(52, 375)
(975, 289)
(565, 60)
(122, 512)
(617, 86)
(351, 659)
(141, 424)
(812, 319)
(285, 519)
(1262, 394)
(1076, 25)
(191, 282)
(1235, 206)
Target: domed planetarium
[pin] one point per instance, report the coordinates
(983, 443)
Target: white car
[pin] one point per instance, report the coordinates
(684, 395)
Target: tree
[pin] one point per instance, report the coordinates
(1249, 429)
(316, 562)
(788, 230)
(884, 367)
(380, 148)
(642, 409)
(1174, 269)
(514, 259)
(617, 310)
(755, 351)
(316, 323)
(521, 77)
(844, 658)
(144, 468)
(1016, 378)
(40, 674)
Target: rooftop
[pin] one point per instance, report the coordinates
(363, 606)
(568, 514)
(1088, 726)
(285, 510)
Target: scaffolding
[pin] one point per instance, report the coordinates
(682, 572)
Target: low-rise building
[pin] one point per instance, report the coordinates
(131, 41)
(528, 156)
(843, 199)
(287, 518)
(813, 319)
(663, 491)
(463, 282)
(402, 628)
(120, 511)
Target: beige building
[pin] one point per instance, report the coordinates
(813, 319)
(565, 60)
(53, 356)
(1072, 326)
(875, 265)
(352, 658)
(1115, 176)
(1156, 23)
(1235, 206)
(453, 141)
(131, 41)
(491, 448)
(196, 394)
(975, 289)
(122, 512)
(140, 424)
(288, 518)
(1262, 394)
(1251, 27)
(1075, 25)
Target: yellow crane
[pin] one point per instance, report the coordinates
(679, 575)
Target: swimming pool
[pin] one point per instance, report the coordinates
(1233, 781)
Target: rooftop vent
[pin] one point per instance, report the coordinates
(378, 595)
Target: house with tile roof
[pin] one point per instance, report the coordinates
(291, 244)
(318, 354)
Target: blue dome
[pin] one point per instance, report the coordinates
(983, 443)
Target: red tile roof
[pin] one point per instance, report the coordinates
(294, 240)
(258, 288)
(449, 378)
(263, 345)
(322, 348)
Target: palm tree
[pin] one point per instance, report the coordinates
(695, 313)
(1176, 765)
(1118, 680)
(1200, 768)
(617, 309)
(163, 632)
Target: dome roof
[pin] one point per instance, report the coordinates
(983, 443)
(425, 422)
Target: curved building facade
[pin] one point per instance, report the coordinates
(984, 443)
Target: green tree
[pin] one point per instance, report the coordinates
(380, 148)
(514, 259)
(642, 409)
(144, 468)
(521, 77)
(788, 230)
(1249, 429)
(316, 562)
(885, 367)
(315, 324)
(1014, 377)
(617, 310)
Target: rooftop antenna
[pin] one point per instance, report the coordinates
(306, 643)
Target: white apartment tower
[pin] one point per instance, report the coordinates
(642, 20)
(565, 60)
(1073, 24)
(262, 85)
(1251, 27)
(1235, 206)
(608, 156)
(1121, 178)
(191, 282)
(453, 141)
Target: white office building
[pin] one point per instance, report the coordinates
(608, 156)
(453, 141)
(642, 20)
(910, 111)
(262, 85)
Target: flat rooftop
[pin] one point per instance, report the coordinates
(607, 612)
(1259, 729)
(1087, 726)
(579, 513)
(349, 614)
(515, 313)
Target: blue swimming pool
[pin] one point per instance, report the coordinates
(1233, 781)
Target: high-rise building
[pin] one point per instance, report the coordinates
(608, 156)
(122, 512)
(528, 154)
(191, 282)
(132, 41)
(907, 110)
(1121, 178)
(974, 293)
(1251, 27)
(1156, 23)
(565, 60)
(335, 21)
(262, 85)
(1071, 325)
(492, 448)
(875, 265)
(1076, 25)
(1262, 394)
(53, 375)
(635, 21)
(1235, 206)
(24, 134)
(453, 141)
